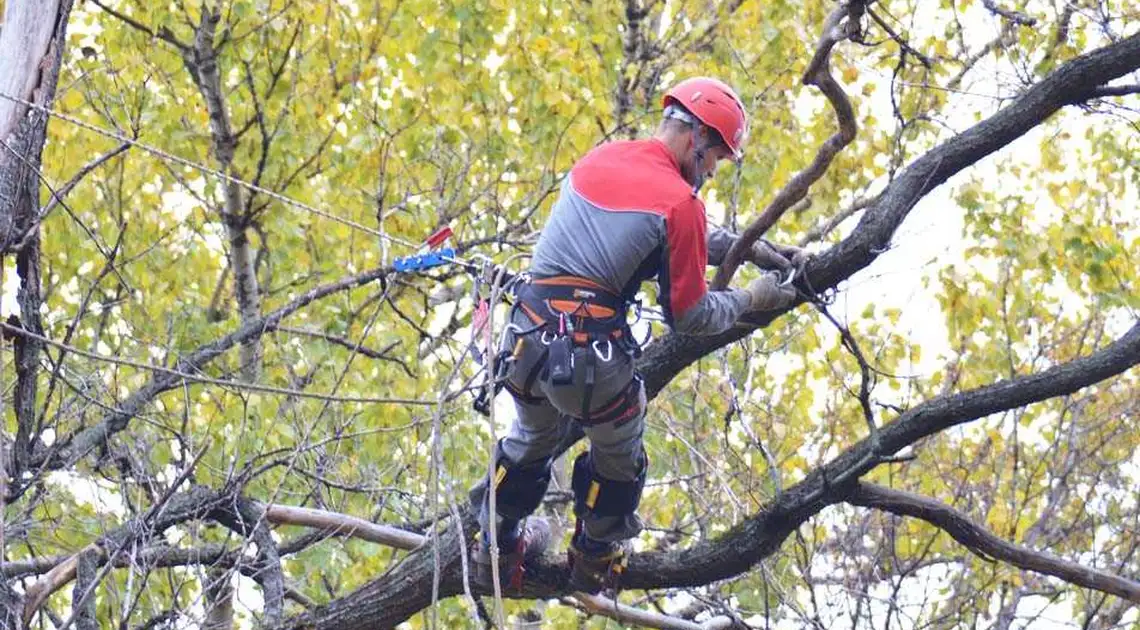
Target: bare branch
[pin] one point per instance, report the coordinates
(336, 524)
(163, 33)
(1115, 90)
(900, 40)
(58, 196)
(1013, 16)
(598, 605)
(818, 74)
(981, 541)
(81, 443)
(823, 229)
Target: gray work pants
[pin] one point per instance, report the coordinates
(616, 448)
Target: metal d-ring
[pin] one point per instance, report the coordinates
(544, 340)
(609, 351)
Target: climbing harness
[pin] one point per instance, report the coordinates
(565, 313)
(572, 312)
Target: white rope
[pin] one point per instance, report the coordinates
(207, 170)
(196, 378)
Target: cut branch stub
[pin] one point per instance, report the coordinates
(818, 73)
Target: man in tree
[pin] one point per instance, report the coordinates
(628, 212)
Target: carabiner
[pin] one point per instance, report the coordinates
(609, 350)
(544, 340)
(791, 276)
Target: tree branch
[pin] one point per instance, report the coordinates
(163, 33)
(1070, 83)
(975, 537)
(78, 445)
(1009, 14)
(333, 523)
(1115, 90)
(389, 600)
(202, 61)
(818, 74)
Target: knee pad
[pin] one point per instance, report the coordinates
(594, 494)
(519, 488)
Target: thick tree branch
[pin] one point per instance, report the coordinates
(979, 540)
(389, 600)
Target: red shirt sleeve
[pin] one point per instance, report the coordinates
(688, 255)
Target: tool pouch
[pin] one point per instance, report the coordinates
(560, 362)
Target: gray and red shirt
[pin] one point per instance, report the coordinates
(626, 215)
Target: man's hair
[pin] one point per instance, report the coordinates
(676, 123)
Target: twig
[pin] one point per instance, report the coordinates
(864, 371)
(825, 228)
(1009, 14)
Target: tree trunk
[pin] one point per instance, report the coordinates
(31, 50)
(20, 184)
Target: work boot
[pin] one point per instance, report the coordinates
(596, 565)
(528, 542)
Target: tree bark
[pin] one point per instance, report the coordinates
(202, 61)
(23, 131)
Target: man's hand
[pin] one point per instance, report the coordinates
(766, 255)
(767, 295)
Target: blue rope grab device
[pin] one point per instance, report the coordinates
(431, 258)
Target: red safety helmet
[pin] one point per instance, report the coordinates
(714, 104)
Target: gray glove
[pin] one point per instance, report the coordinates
(767, 255)
(766, 294)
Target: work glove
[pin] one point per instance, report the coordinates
(767, 255)
(766, 294)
